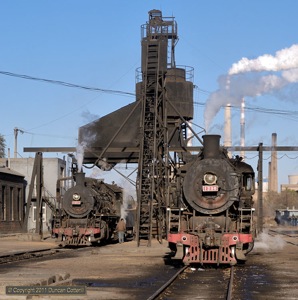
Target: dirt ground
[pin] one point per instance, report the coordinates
(125, 271)
(123, 264)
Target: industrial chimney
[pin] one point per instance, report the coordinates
(273, 181)
(228, 127)
(242, 127)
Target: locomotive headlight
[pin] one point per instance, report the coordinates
(210, 178)
(76, 197)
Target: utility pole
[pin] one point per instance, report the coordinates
(16, 131)
(260, 189)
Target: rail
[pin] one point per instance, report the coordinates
(230, 285)
(167, 284)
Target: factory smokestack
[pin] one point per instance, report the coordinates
(250, 78)
(242, 127)
(228, 127)
(273, 182)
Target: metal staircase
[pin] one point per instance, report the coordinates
(48, 198)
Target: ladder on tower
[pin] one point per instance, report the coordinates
(147, 172)
(153, 169)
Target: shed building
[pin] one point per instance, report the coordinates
(12, 199)
(53, 169)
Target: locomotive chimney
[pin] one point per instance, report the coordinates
(211, 146)
(80, 178)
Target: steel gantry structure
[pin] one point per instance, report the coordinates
(152, 131)
(153, 171)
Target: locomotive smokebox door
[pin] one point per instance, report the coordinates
(211, 184)
(78, 201)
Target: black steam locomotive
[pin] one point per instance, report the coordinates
(89, 212)
(214, 220)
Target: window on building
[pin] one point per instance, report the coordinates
(12, 204)
(19, 204)
(43, 212)
(3, 204)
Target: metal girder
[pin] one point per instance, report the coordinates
(36, 182)
(264, 148)
(136, 150)
(50, 149)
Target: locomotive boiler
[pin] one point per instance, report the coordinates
(214, 222)
(89, 212)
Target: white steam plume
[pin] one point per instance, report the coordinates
(284, 59)
(240, 86)
(97, 173)
(246, 78)
(80, 149)
(88, 138)
(269, 243)
(129, 196)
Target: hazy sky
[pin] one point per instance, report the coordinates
(97, 44)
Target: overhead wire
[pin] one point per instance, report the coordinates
(117, 92)
(293, 115)
(67, 84)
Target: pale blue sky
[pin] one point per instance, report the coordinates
(97, 44)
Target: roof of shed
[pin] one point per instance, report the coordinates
(6, 170)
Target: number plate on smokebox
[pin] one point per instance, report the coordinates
(210, 188)
(76, 202)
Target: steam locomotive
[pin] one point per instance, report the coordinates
(89, 212)
(213, 223)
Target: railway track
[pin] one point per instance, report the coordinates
(189, 282)
(31, 254)
(122, 272)
(290, 236)
(167, 284)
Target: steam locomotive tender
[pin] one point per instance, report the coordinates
(89, 212)
(214, 223)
